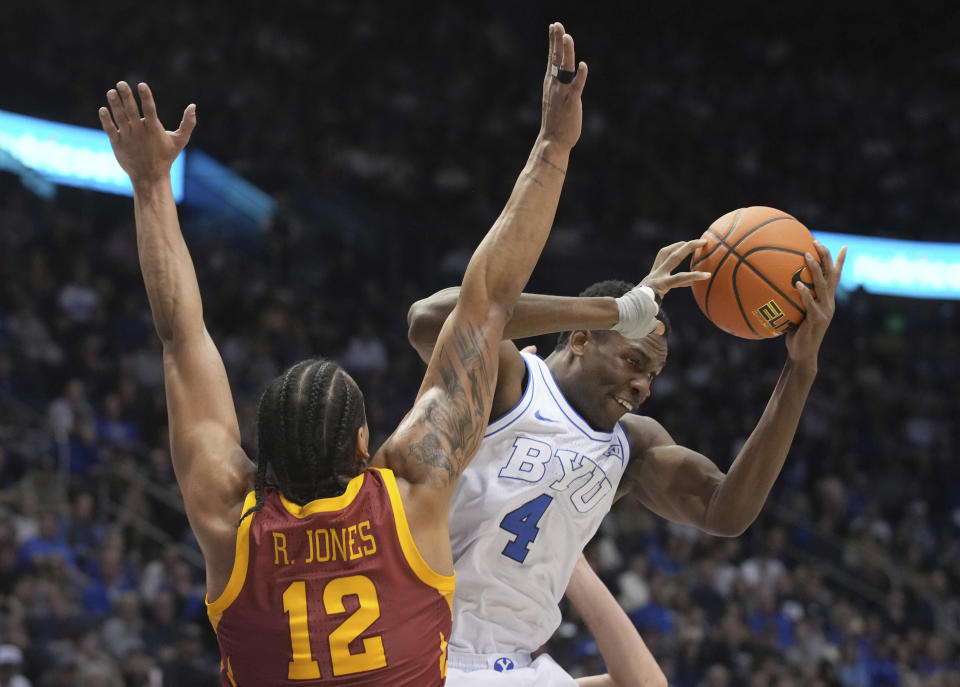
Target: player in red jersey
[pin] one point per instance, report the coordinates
(336, 574)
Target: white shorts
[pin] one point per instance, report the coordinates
(505, 670)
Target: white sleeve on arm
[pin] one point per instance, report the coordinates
(638, 310)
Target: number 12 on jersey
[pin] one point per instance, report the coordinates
(522, 522)
(302, 664)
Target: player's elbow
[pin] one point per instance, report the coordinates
(657, 680)
(726, 513)
(423, 324)
(727, 527)
(647, 676)
(164, 332)
(733, 522)
(737, 530)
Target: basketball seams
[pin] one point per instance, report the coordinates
(721, 241)
(736, 294)
(751, 231)
(776, 288)
(713, 273)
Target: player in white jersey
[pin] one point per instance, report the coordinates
(564, 443)
(543, 469)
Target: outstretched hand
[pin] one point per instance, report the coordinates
(144, 149)
(803, 343)
(660, 278)
(562, 115)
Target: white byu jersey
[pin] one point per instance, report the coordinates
(533, 496)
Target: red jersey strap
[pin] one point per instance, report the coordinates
(325, 505)
(442, 583)
(238, 575)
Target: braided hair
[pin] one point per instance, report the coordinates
(307, 423)
(611, 288)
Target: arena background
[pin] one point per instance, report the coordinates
(389, 136)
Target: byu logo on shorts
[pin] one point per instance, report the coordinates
(502, 664)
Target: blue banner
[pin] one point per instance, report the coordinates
(69, 155)
(895, 267)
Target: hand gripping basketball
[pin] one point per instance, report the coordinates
(758, 256)
(803, 343)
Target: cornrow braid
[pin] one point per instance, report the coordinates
(308, 420)
(315, 466)
(346, 419)
(286, 418)
(267, 434)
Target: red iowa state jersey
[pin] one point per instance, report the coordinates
(332, 593)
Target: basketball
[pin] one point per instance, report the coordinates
(755, 256)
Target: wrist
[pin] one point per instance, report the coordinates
(144, 186)
(638, 310)
(551, 151)
(806, 369)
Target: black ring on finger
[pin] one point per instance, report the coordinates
(562, 75)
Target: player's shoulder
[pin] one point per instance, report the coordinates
(644, 432)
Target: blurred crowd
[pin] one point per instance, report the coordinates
(390, 148)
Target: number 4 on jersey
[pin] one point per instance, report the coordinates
(523, 523)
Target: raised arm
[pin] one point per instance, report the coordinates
(685, 486)
(533, 315)
(437, 439)
(629, 661)
(211, 468)
(537, 314)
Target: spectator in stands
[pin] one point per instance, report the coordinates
(10, 659)
(48, 543)
(81, 531)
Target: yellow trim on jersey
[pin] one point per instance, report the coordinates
(442, 583)
(238, 575)
(325, 505)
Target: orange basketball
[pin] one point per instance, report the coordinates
(754, 256)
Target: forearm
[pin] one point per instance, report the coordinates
(165, 263)
(743, 492)
(533, 315)
(503, 262)
(624, 652)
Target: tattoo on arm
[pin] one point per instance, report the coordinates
(429, 453)
(556, 167)
(534, 179)
(454, 423)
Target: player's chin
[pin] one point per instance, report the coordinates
(617, 410)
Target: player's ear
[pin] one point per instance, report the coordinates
(363, 444)
(579, 339)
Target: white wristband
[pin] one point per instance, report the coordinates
(638, 312)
